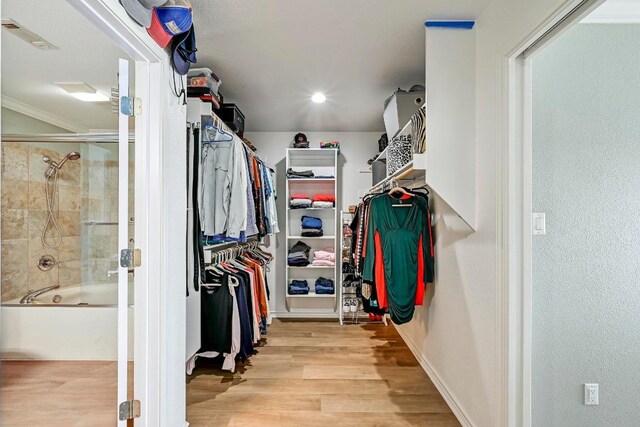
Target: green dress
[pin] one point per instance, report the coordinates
(400, 230)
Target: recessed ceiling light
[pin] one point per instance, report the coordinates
(83, 92)
(318, 98)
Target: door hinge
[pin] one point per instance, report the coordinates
(130, 106)
(129, 409)
(130, 258)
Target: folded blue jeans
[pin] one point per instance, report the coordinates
(311, 222)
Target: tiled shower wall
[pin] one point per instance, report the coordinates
(88, 205)
(24, 215)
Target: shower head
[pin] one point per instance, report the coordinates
(73, 155)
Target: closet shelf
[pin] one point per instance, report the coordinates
(312, 295)
(310, 179)
(312, 267)
(310, 209)
(406, 129)
(414, 171)
(311, 237)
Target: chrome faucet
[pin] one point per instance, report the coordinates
(31, 296)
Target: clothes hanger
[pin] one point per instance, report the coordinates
(399, 190)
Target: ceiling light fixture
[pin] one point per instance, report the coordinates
(318, 98)
(83, 92)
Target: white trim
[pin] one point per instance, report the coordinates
(38, 114)
(448, 396)
(150, 369)
(514, 298)
(123, 237)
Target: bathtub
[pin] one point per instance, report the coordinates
(82, 326)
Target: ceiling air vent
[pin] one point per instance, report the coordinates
(22, 33)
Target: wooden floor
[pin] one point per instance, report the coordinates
(319, 374)
(58, 394)
(305, 374)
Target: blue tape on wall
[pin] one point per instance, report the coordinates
(461, 25)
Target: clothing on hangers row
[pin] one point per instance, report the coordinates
(236, 190)
(393, 251)
(234, 305)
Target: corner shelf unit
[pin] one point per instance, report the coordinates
(448, 167)
(322, 162)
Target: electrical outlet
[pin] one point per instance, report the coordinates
(591, 394)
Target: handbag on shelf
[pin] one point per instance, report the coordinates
(419, 131)
(399, 153)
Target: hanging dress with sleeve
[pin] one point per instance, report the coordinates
(398, 254)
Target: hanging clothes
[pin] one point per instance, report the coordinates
(234, 308)
(393, 251)
(223, 202)
(236, 191)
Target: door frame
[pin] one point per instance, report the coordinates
(515, 264)
(149, 59)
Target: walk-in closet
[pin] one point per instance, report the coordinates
(301, 213)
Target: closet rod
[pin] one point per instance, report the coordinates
(228, 245)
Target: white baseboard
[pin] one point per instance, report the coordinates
(304, 315)
(448, 397)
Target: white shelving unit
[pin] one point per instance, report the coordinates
(448, 167)
(322, 162)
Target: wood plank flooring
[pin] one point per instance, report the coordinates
(319, 374)
(304, 374)
(58, 394)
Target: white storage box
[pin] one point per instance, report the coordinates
(399, 110)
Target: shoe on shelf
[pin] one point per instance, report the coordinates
(372, 316)
(354, 305)
(346, 306)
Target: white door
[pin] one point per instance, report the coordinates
(127, 407)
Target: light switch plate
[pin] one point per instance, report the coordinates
(538, 223)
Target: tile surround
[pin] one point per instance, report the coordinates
(88, 191)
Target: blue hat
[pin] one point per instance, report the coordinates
(169, 21)
(183, 51)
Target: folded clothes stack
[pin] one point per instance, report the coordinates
(299, 201)
(329, 144)
(299, 174)
(311, 226)
(299, 255)
(324, 286)
(322, 205)
(325, 257)
(311, 232)
(298, 287)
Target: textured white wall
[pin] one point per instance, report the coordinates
(355, 147)
(456, 332)
(586, 327)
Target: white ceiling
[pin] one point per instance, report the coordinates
(85, 55)
(615, 12)
(273, 54)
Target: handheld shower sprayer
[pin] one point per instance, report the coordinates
(51, 190)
